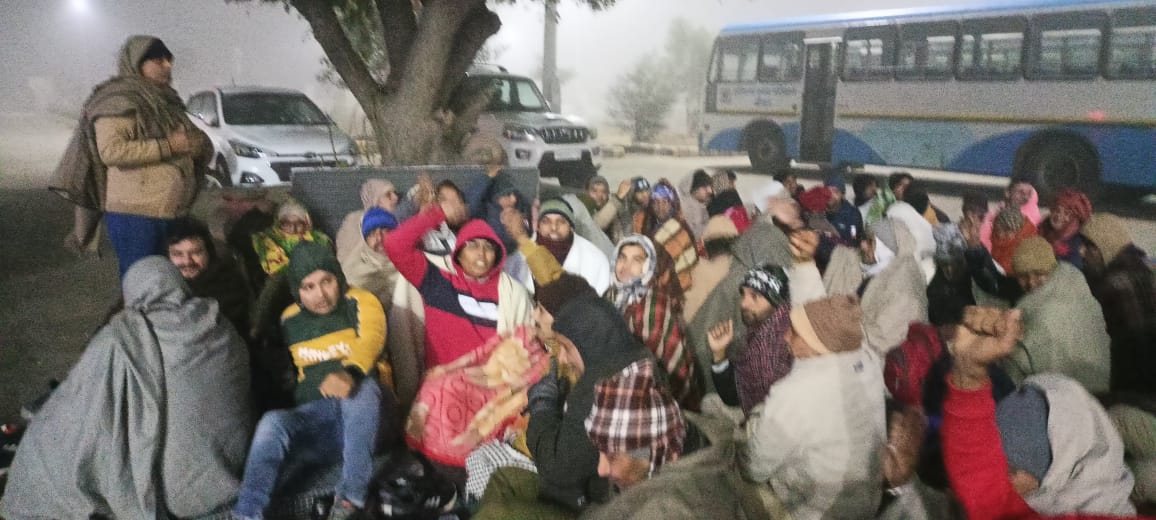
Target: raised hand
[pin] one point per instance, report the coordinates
(719, 337)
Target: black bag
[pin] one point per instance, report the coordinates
(411, 489)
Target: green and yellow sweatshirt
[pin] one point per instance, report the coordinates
(350, 338)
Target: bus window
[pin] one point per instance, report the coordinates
(991, 49)
(926, 51)
(782, 59)
(1066, 46)
(739, 60)
(1132, 44)
(869, 53)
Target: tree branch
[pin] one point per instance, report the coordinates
(399, 27)
(477, 28)
(426, 67)
(346, 61)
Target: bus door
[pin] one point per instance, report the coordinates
(817, 127)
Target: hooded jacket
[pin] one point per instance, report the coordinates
(566, 459)
(1087, 477)
(349, 338)
(482, 199)
(132, 119)
(460, 312)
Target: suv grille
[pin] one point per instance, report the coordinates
(563, 134)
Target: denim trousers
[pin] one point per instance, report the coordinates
(134, 237)
(322, 431)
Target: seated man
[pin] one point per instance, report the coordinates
(597, 194)
(152, 420)
(1064, 329)
(335, 333)
(818, 437)
(366, 265)
(556, 238)
(209, 275)
(1047, 450)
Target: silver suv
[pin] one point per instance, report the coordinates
(260, 134)
(518, 116)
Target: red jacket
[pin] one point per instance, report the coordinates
(976, 465)
(460, 312)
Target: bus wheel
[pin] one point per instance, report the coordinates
(766, 149)
(1059, 162)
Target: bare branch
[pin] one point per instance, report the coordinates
(346, 61)
(399, 27)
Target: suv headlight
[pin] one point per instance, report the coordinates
(519, 133)
(246, 150)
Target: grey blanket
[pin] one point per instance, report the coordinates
(153, 420)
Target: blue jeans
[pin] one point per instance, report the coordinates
(322, 431)
(134, 237)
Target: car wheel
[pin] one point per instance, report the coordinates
(221, 172)
(766, 149)
(1058, 162)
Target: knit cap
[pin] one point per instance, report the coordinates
(557, 207)
(1075, 202)
(770, 281)
(719, 226)
(816, 199)
(1109, 233)
(1034, 255)
(375, 218)
(830, 325)
(1022, 418)
(633, 411)
(640, 184)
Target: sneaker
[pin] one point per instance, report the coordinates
(342, 510)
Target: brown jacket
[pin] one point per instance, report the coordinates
(144, 177)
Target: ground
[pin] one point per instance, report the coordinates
(51, 302)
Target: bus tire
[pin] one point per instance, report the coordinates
(1056, 161)
(766, 148)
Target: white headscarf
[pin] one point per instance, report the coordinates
(633, 290)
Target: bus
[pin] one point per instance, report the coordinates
(1059, 92)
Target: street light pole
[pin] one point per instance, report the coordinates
(553, 91)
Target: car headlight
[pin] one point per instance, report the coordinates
(519, 133)
(593, 133)
(246, 150)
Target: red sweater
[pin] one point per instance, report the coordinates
(460, 312)
(976, 464)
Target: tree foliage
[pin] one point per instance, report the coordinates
(404, 61)
(687, 55)
(641, 99)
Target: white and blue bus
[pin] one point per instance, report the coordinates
(1062, 92)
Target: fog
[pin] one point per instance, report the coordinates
(52, 52)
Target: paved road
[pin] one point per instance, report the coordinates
(50, 302)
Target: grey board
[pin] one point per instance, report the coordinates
(331, 193)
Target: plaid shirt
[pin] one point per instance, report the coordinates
(633, 411)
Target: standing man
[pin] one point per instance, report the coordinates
(152, 154)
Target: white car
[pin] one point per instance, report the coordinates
(560, 146)
(260, 134)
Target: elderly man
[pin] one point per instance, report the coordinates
(209, 275)
(818, 437)
(1064, 330)
(766, 307)
(150, 156)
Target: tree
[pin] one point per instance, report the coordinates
(641, 99)
(403, 61)
(687, 55)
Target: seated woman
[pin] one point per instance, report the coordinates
(293, 226)
(375, 193)
(126, 434)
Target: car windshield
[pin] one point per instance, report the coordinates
(271, 109)
(515, 95)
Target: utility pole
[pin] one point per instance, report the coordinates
(552, 90)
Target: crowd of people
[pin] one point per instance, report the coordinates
(656, 351)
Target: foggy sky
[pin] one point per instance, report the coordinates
(55, 51)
